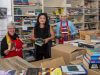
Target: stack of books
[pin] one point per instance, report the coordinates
(92, 60)
(95, 60)
(17, 11)
(9, 72)
(74, 70)
(42, 71)
(39, 42)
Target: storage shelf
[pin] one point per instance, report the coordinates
(77, 14)
(26, 15)
(91, 14)
(75, 8)
(16, 26)
(92, 22)
(24, 5)
(78, 23)
(29, 48)
(91, 8)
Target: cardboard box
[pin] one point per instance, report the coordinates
(37, 64)
(49, 63)
(54, 63)
(76, 62)
(93, 72)
(88, 39)
(14, 63)
(69, 52)
(87, 32)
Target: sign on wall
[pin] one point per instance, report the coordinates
(3, 13)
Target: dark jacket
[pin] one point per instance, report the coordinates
(4, 45)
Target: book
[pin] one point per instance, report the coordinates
(56, 71)
(33, 71)
(95, 58)
(95, 61)
(9, 72)
(39, 41)
(85, 63)
(51, 71)
(96, 54)
(11, 46)
(74, 69)
(94, 66)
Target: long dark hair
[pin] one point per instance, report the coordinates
(46, 23)
(47, 26)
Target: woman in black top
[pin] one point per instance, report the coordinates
(43, 30)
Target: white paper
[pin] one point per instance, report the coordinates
(6, 4)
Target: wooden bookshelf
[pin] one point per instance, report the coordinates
(77, 9)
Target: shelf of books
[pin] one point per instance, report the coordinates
(84, 13)
(91, 14)
(24, 16)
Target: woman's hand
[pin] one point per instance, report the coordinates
(14, 48)
(32, 38)
(6, 52)
(46, 40)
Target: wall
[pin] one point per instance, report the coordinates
(3, 22)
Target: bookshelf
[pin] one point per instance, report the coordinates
(91, 15)
(24, 14)
(83, 13)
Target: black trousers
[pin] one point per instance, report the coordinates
(43, 52)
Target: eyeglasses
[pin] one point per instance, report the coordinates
(11, 28)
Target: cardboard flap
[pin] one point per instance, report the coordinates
(67, 48)
(93, 72)
(54, 63)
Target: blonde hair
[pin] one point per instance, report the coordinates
(11, 24)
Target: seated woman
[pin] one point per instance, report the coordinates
(11, 45)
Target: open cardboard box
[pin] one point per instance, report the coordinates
(83, 33)
(93, 72)
(69, 52)
(49, 63)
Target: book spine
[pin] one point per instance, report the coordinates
(88, 56)
(86, 59)
(85, 63)
(95, 61)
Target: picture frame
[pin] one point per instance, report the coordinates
(3, 13)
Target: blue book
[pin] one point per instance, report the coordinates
(17, 2)
(95, 57)
(96, 54)
(95, 61)
(25, 2)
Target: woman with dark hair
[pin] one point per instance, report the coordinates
(44, 31)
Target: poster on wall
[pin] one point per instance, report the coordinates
(6, 4)
(3, 13)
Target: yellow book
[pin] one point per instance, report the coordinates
(55, 71)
